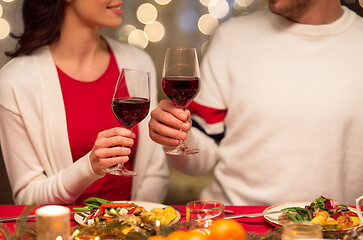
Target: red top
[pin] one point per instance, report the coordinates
(88, 112)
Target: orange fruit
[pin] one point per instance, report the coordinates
(177, 235)
(196, 235)
(223, 229)
(156, 237)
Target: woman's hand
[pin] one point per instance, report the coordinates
(166, 124)
(111, 147)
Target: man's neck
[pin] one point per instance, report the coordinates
(323, 13)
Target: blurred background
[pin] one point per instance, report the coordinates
(152, 25)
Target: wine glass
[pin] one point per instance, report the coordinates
(130, 105)
(180, 83)
(302, 230)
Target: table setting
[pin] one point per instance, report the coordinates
(257, 222)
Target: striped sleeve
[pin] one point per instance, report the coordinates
(208, 120)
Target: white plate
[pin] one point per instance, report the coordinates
(273, 218)
(147, 205)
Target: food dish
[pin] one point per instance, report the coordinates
(147, 205)
(273, 218)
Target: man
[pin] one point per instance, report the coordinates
(283, 92)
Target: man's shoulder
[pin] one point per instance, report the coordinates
(355, 22)
(358, 18)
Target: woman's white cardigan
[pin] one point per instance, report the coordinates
(34, 138)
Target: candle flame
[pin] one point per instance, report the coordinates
(75, 233)
(157, 223)
(59, 238)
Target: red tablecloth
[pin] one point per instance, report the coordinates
(258, 224)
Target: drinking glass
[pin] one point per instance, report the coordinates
(52, 222)
(201, 213)
(130, 105)
(302, 230)
(180, 83)
(359, 210)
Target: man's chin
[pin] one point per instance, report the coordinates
(275, 6)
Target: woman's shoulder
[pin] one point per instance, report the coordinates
(16, 69)
(24, 64)
(14, 77)
(16, 63)
(21, 70)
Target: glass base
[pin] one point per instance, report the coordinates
(182, 151)
(120, 170)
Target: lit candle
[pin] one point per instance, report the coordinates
(52, 222)
(157, 225)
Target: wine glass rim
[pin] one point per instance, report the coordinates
(134, 70)
(182, 48)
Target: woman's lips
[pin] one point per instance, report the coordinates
(117, 8)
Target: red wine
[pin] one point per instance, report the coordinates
(130, 111)
(180, 90)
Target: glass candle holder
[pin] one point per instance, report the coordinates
(201, 213)
(52, 222)
(302, 230)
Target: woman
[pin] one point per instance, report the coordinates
(57, 130)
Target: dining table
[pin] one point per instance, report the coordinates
(257, 225)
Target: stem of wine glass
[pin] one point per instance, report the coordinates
(124, 172)
(182, 148)
(120, 170)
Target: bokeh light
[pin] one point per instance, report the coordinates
(208, 3)
(138, 38)
(243, 3)
(207, 24)
(1, 10)
(146, 13)
(220, 9)
(155, 31)
(125, 31)
(162, 2)
(4, 28)
(8, 1)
